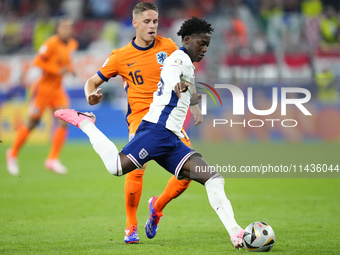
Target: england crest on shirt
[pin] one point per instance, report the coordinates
(161, 56)
(143, 153)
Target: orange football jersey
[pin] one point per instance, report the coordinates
(51, 57)
(140, 69)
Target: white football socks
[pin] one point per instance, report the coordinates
(221, 204)
(103, 146)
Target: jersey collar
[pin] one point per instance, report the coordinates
(141, 48)
(184, 49)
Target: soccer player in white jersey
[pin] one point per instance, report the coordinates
(158, 136)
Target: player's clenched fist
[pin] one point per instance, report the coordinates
(95, 97)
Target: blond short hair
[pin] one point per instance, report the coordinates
(142, 7)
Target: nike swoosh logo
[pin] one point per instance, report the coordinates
(134, 193)
(131, 63)
(89, 116)
(80, 113)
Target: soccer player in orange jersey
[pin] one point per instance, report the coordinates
(139, 63)
(54, 60)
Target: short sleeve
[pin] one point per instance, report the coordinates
(179, 62)
(44, 57)
(45, 51)
(110, 67)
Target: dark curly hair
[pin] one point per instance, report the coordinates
(194, 26)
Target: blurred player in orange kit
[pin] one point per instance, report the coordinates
(54, 60)
(139, 64)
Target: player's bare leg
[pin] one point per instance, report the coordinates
(214, 184)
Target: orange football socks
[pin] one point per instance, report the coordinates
(20, 138)
(172, 190)
(59, 138)
(133, 192)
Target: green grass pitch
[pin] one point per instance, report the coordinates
(83, 212)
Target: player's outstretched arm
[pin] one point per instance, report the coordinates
(92, 93)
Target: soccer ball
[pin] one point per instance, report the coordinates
(258, 236)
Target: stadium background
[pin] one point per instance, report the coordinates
(257, 43)
(262, 44)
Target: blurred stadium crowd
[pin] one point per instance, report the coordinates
(266, 43)
(256, 42)
(247, 26)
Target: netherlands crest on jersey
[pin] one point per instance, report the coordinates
(161, 56)
(143, 153)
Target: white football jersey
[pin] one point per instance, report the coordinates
(167, 109)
